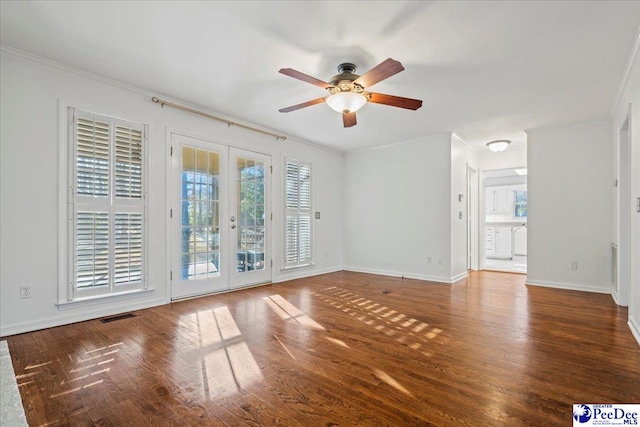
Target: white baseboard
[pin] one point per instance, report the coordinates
(69, 317)
(614, 295)
(568, 286)
(460, 276)
(286, 275)
(634, 325)
(439, 279)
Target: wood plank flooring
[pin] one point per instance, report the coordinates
(342, 349)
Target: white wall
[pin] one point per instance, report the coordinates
(629, 100)
(461, 156)
(398, 209)
(569, 215)
(31, 90)
(509, 158)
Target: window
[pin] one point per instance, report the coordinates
(297, 227)
(200, 181)
(520, 207)
(107, 205)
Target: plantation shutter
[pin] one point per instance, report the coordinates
(108, 205)
(298, 233)
(93, 158)
(128, 172)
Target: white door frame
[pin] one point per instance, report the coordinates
(473, 247)
(225, 281)
(626, 209)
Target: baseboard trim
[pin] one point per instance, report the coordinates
(301, 274)
(460, 276)
(634, 325)
(567, 286)
(391, 273)
(66, 319)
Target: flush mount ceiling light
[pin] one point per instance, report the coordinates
(498, 145)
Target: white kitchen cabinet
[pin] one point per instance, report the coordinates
(520, 241)
(498, 242)
(489, 201)
(501, 198)
(498, 200)
(490, 241)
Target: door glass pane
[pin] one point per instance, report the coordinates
(251, 212)
(200, 214)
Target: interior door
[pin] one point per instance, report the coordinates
(199, 193)
(249, 218)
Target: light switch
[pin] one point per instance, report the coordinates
(460, 214)
(317, 215)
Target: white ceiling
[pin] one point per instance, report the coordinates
(485, 70)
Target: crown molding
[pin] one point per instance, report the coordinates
(149, 94)
(627, 73)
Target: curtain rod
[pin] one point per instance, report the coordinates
(228, 122)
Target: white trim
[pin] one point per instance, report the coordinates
(634, 325)
(208, 138)
(627, 73)
(408, 141)
(103, 298)
(68, 202)
(460, 276)
(428, 278)
(457, 137)
(63, 214)
(148, 95)
(298, 273)
(167, 206)
(568, 286)
(614, 295)
(74, 317)
(572, 125)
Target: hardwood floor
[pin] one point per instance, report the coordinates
(341, 349)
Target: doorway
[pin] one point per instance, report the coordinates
(505, 220)
(472, 218)
(220, 217)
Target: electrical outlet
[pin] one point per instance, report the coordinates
(429, 260)
(25, 292)
(574, 265)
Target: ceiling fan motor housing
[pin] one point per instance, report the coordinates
(344, 81)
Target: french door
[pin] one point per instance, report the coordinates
(220, 217)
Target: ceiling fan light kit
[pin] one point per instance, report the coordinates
(498, 145)
(347, 90)
(346, 102)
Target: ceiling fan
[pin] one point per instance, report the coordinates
(348, 91)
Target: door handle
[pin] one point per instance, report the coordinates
(233, 226)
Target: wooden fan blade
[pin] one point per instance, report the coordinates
(349, 119)
(305, 78)
(395, 101)
(380, 72)
(304, 104)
